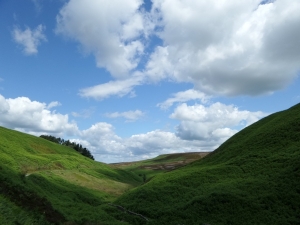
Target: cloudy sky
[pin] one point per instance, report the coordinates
(134, 79)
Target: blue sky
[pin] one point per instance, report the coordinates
(131, 80)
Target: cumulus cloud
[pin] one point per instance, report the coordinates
(112, 31)
(129, 115)
(29, 39)
(108, 147)
(227, 47)
(184, 96)
(37, 118)
(34, 117)
(4, 105)
(215, 122)
(201, 128)
(222, 47)
(159, 142)
(102, 141)
(102, 133)
(118, 87)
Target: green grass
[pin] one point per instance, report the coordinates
(253, 178)
(71, 188)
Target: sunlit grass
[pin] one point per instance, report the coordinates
(70, 186)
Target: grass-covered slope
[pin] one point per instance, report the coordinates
(253, 178)
(160, 164)
(45, 183)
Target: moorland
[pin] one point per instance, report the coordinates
(252, 178)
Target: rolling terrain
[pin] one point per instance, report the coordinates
(42, 182)
(252, 178)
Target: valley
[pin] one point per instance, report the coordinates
(252, 178)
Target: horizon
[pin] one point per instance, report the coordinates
(131, 81)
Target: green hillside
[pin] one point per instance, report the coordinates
(160, 164)
(253, 178)
(42, 182)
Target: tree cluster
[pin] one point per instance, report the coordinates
(77, 147)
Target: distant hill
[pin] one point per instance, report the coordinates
(253, 178)
(160, 164)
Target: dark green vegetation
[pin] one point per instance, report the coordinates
(253, 178)
(77, 147)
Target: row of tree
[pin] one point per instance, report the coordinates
(77, 147)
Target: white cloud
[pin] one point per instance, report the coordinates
(4, 105)
(201, 128)
(53, 104)
(29, 39)
(159, 66)
(107, 146)
(154, 142)
(112, 31)
(281, 39)
(222, 47)
(34, 117)
(101, 140)
(227, 47)
(129, 115)
(184, 96)
(118, 87)
(100, 133)
(215, 122)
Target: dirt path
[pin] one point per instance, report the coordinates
(128, 211)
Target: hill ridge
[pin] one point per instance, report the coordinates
(252, 178)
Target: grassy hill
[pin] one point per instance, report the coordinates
(42, 182)
(253, 178)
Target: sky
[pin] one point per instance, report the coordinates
(134, 79)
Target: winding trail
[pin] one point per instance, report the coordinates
(128, 211)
